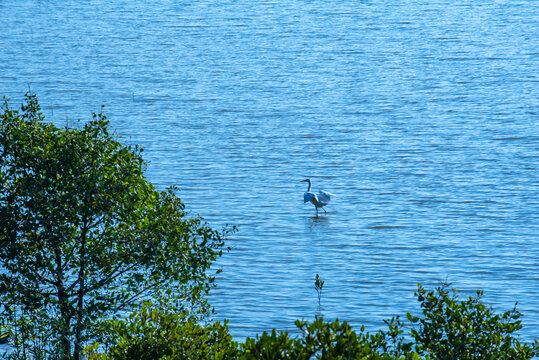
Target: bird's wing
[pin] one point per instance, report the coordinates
(324, 196)
(308, 196)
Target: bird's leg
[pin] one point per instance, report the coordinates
(316, 207)
(324, 210)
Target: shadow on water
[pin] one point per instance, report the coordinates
(318, 220)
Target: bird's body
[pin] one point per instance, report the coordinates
(318, 200)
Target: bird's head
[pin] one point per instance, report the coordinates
(308, 181)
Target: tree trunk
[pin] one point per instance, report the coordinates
(65, 316)
(80, 295)
(65, 326)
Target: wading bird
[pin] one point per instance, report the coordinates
(318, 200)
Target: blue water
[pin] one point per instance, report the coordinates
(421, 116)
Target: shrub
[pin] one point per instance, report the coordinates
(161, 334)
(447, 329)
(157, 334)
(467, 329)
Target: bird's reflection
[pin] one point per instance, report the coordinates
(318, 219)
(317, 223)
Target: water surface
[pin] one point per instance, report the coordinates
(420, 115)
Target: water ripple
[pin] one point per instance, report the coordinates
(421, 117)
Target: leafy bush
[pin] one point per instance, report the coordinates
(448, 329)
(337, 340)
(156, 333)
(467, 329)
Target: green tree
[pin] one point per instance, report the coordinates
(84, 236)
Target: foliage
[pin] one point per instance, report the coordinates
(161, 335)
(336, 340)
(156, 333)
(84, 235)
(275, 345)
(467, 329)
(318, 285)
(448, 329)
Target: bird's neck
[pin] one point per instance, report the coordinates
(309, 188)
